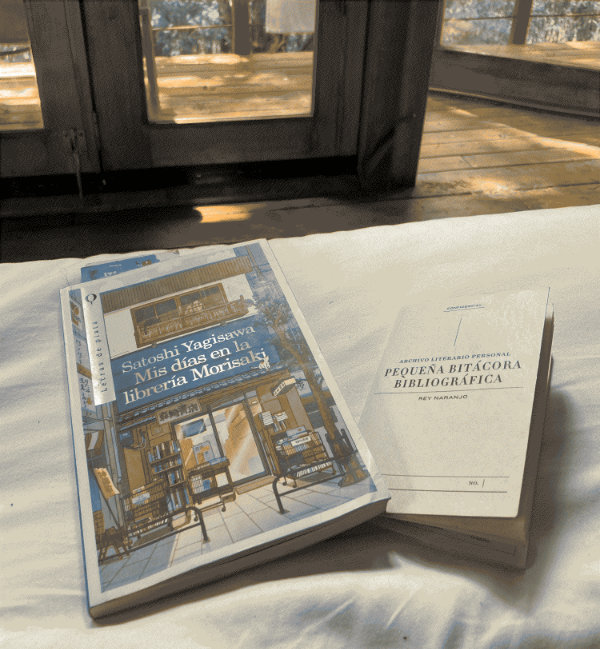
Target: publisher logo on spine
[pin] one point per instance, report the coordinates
(103, 387)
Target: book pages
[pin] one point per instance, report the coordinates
(449, 415)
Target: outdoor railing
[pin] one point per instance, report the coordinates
(519, 22)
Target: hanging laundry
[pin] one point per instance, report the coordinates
(290, 16)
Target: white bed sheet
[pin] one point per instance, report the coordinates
(368, 588)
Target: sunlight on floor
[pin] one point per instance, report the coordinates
(224, 214)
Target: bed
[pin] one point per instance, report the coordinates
(368, 588)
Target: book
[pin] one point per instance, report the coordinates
(117, 266)
(455, 420)
(209, 434)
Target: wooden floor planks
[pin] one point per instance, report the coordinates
(511, 149)
(585, 54)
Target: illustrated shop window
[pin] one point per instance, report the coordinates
(163, 310)
(185, 312)
(166, 310)
(199, 436)
(144, 316)
(239, 444)
(154, 313)
(205, 298)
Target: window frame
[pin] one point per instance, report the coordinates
(565, 88)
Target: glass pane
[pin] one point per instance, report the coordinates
(476, 32)
(564, 32)
(19, 96)
(238, 442)
(201, 439)
(471, 22)
(565, 7)
(217, 60)
(478, 9)
(557, 29)
(169, 307)
(145, 314)
(561, 21)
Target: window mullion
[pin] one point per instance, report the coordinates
(520, 22)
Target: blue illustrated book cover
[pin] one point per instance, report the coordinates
(209, 434)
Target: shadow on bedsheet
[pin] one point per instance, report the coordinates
(368, 548)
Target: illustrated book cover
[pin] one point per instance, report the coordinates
(455, 420)
(208, 432)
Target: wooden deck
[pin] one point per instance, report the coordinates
(579, 54)
(221, 87)
(477, 157)
(548, 76)
(19, 97)
(191, 88)
(215, 87)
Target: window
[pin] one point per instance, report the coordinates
(185, 312)
(544, 53)
(215, 60)
(521, 22)
(133, 85)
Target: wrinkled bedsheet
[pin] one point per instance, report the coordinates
(367, 588)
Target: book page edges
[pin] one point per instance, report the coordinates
(511, 535)
(256, 556)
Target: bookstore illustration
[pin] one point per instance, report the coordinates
(221, 426)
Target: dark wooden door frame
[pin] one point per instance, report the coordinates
(520, 22)
(57, 44)
(130, 141)
(397, 65)
(374, 54)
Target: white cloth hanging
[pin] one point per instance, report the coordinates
(290, 16)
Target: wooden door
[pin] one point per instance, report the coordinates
(149, 115)
(46, 117)
(341, 79)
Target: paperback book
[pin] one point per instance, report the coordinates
(209, 434)
(455, 420)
